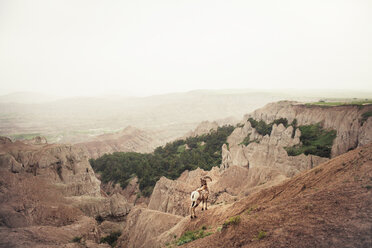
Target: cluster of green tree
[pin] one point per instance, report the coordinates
(263, 128)
(170, 161)
(315, 140)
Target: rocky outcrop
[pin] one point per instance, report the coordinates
(49, 196)
(364, 134)
(131, 192)
(171, 196)
(281, 136)
(64, 166)
(193, 177)
(226, 158)
(26, 200)
(8, 163)
(144, 226)
(272, 156)
(114, 207)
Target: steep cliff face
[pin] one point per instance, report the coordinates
(267, 151)
(131, 192)
(115, 207)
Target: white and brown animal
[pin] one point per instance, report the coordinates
(200, 195)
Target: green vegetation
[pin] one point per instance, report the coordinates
(365, 116)
(191, 236)
(240, 125)
(24, 136)
(261, 234)
(294, 125)
(249, 210)
(263, 128)
(315, 140)
(111, 239)
(170, 161)
(341, 102)
(246, 140)
(77, 239)
(235, 220)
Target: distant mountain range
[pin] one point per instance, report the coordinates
(77, 119)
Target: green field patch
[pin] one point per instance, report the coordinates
(341, 102)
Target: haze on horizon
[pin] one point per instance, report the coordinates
(141, 48)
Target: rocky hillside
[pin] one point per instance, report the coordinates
(330, 205)
(49, 196)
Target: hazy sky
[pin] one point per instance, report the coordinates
(143, 47)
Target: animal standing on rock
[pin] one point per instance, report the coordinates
(200, 195)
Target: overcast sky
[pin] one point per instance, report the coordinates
(143, 47)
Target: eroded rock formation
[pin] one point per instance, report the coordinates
(49, 195)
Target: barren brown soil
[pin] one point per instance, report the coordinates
(327, 206)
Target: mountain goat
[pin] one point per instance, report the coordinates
(200, 195)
